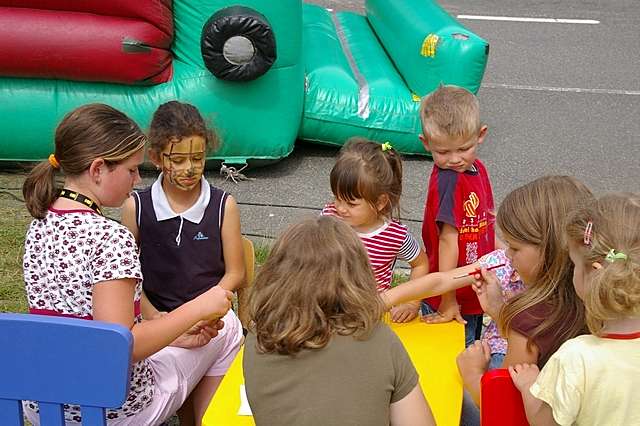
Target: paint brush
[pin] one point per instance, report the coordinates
(477, 271)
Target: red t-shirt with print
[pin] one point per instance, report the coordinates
(464, 201)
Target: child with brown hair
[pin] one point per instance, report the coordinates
(317, 351)
(189, 236)
(548, 311)
(366, 181)
(80, 264)
(458, 217)
(593, 379)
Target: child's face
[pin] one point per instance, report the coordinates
(182, 162)
(358, 213)
(118, 181)
(456, 154)
(525, 258)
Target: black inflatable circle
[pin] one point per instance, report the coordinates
(232, 22)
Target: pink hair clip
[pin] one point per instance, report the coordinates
(588, 232)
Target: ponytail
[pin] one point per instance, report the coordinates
(394, 185)
(39, 189)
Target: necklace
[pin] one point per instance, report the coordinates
(76, 196)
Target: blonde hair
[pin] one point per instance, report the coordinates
(613, 291)
(88, 132)
(535, 214)
(450, 112)
(316, 283)
(364, 170)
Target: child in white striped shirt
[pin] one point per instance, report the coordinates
(367, 184)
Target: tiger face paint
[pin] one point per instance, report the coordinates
(183, 162)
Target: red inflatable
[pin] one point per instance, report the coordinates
(118, 41)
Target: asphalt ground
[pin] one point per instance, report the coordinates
(558, 99)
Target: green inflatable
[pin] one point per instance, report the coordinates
(264, 73)
(257, 119)
(365, 75)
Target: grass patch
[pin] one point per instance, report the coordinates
(262, 252)
(398, 279)
(14, 221)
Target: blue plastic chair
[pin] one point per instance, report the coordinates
(55, 360)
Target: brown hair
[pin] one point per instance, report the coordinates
(364, 170)
(88, 132)
(174, 121)
(613, 291)
(450, 112)
(316, 283)
(535, 214)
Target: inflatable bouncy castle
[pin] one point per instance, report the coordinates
(135, 55)
(264, 73)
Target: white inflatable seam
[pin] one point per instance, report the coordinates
(363, 87)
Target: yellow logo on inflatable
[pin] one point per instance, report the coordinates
(429, 46)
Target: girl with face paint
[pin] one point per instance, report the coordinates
(93, 270)
(189, 237)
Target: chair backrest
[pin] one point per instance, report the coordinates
(249, 264)
(56, 360)
(500, 401)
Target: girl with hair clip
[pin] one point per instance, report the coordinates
(594, 379)
(547, 312)
(189, 237)
(366, 181)
(317, 351)
(78, 263)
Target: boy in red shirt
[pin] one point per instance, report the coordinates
(458, 224)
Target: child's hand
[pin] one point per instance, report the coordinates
(523, 375)
(199, 335)
(474, 361)
(405, 312)
(487, 287)
(447, 311)
(214, 303)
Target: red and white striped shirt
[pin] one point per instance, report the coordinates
(385, 245)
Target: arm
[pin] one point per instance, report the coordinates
(429, 285)
(198, 335)
(128, 218)
(408, 311)
(149, 311)
(539, 413)
(412, 410)
(447, 260)
(419, 266)
(113, 302)
(234, 274)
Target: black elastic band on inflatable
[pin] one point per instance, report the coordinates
(232, 22)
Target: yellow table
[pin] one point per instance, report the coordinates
(432, 348)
